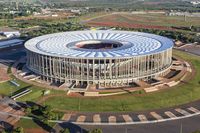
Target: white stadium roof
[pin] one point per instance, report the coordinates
(64, 44)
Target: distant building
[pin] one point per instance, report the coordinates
(175, 13)
(36, 13)
(54, 15)
(195, 2)
(188, 14)
(146, 12)
(76, 11)
(9, 33)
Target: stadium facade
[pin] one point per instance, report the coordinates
(103, 58)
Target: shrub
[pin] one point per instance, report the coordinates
(18, 130)
(196, 132)
(28, 110)
(65, 131)
(35, 107)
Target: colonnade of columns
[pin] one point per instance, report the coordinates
(99, 70)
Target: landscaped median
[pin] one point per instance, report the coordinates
(180, 94)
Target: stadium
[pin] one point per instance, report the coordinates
(99, 57)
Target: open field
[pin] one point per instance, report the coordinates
(146, 21)
(177, 95)
(128, 4)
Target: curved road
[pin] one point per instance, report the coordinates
(187, 125)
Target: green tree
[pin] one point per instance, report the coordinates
(35, 107)
(18, 130)
(28, 110)
(98, 130)
(3, 131)
(45, 120)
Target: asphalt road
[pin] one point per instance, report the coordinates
(11, 55)
(191, 48)
(187, 125)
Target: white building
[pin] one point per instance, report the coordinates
(9, 33)
(195, 2)
(99, 57)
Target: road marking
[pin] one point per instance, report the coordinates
(142, 117)
(183, 112)
(155, 115)
(112, 119)
(66, 117)
(96, 118)
(193, 109)
(91, 123)
(81, 118)
(127, 118)
(170, 114)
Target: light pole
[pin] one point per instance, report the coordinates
(79, 104)
(181, 128)
(125, 130)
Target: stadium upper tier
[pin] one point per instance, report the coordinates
(98, 44)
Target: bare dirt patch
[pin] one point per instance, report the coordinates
(35, 130)
(3, 73)
(146, 20)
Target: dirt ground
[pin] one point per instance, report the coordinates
(34, 130)
(3, 73)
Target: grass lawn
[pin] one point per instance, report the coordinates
(177, 95)
(26, 123)
(30, 124)
(7, 88)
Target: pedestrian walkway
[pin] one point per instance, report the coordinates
(112, 119)
(142, 117)
(155, 115)
(9, 106)
(132, 118)
(193, 109)
(97, 118)
(127, 118)
(170, 114)
(183, 112)
(81, 118)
